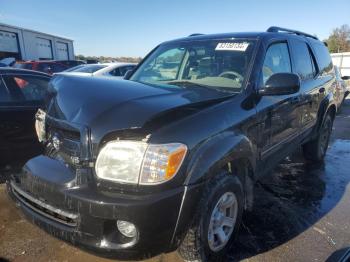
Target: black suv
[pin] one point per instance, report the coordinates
(168, 159)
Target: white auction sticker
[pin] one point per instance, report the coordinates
(232, 46)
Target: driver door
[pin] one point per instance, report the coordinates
(279, 115)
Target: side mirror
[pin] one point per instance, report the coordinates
(345, 77)
(128, 74)
(281, 84)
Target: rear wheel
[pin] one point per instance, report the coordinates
(216, 223)
(316, 149)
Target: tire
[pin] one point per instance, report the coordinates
(316, 149)
(196, 245)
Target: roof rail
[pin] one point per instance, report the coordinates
(276, 29)
(195, 34)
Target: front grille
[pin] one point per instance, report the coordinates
(67, 145)
(40, 207)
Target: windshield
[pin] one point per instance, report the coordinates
(85, 68)
(219, 64)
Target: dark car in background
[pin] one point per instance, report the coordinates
(168, 159)
(48, 67)
(22, 92)
(71, 63)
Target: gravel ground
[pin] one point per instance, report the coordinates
(301, 213)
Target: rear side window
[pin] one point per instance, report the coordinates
(4, 94)
(44, 67)
(277, 60)
(120, 71)
(24, 66)
(304, 66)
(55, 68)
(27, 88)
(324, 59)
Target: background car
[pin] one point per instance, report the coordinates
(341, 89)
(22, 92)
(103, 69)
(48, 67)
(71, 63)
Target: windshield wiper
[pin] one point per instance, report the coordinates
(186, 83)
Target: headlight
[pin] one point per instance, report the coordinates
(138, 162)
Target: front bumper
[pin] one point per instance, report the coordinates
(59, 201)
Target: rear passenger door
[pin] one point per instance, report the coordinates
(27, 93)
(305, 67)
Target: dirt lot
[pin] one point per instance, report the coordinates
(301, 214)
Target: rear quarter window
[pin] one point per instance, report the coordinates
(303, 60)
(324, 60)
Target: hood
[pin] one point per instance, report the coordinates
(105, 105)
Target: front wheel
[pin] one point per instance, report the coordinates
(216, 223)
(316, 149)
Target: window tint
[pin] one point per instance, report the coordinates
(55, 68)
(121, 71)
(29, 88)
(277, 60)
(303, 60)
(24, 65)
(116, 72)
(4, 94)
(324, 59)
(44, 67)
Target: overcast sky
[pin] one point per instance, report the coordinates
(134, 27)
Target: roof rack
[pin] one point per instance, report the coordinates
(276, 29)
(195, 34)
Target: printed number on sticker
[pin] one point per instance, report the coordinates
(232, 46)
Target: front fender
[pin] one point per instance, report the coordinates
(216, 152)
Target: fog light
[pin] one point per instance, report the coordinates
(126, 228)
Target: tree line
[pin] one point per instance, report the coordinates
(106, 59)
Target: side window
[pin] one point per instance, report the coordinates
(277, 60)
(324, 59)
(304, 65)
(27, 88)
(45, 67)
(123, 70)
(4, 93)
(55, 68)
(116, 72)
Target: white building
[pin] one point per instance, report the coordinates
(26, 44)
(342, 60)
